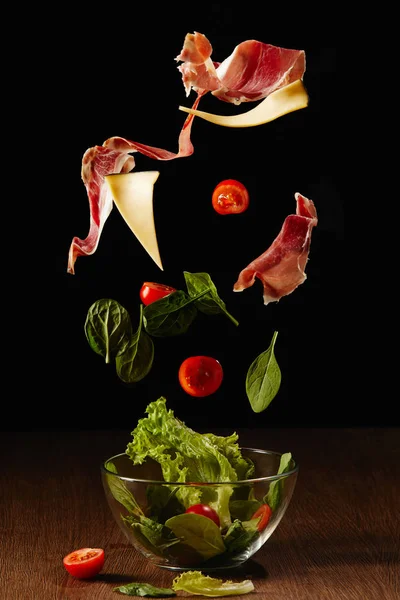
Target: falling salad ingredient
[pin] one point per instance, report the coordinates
(279, 103)
(263, 379)
(200, 376)
(254, 71)
(230, 197)
(281, 268)
(132, 194)
(151, 291)
(109, 331)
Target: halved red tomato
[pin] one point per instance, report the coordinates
(85, 562)
(230, 197)
(151, 291)
(205, 511)
(264, 513)
(200, 375)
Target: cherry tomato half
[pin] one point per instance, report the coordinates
(230, 197)
(150, 291)
(205, 511)
(264, 513)
(85, 562)
(200, 375)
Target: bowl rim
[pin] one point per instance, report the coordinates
(268, 478)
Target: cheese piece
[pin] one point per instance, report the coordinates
(285, 100)
(133, 196)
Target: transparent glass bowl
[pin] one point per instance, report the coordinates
(142, 502)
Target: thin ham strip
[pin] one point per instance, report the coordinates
(110, 158)
(281, 268)
(252, 72)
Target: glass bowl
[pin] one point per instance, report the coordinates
(151, 512)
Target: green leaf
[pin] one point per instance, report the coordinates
(198, 532)
(210, 303)
(263, 379)
(274, 495)
(194, 582)
(240, 535)
(154, 536)
(169, 316)
(186, 455)
(144, 589)
(136, 362)
(120, 492)
(108, 328)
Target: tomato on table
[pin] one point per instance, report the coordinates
(85, 562)
(230, 197)
(200, 376)
(204, 510)
(151, 291)
(264, 513)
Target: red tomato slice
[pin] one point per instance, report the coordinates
(151, 291)
(200, 375)
(205, 511)
(85, 562)
(230, 197)
(264, 513)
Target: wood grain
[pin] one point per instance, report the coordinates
(339, 539)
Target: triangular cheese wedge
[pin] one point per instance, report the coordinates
(133, 196)
(285, 100)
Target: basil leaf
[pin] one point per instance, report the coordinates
(144, 589)
(274, 495)
(198, 532)
(108, 328)
(137, 360)
(169, 316)
(210, 303)
(263, 379)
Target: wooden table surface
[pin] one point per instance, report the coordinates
(339, 539)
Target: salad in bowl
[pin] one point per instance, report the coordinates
(189, 500)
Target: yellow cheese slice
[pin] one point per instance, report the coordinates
(133, 196)
(285, 100)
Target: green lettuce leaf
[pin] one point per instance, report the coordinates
(187, 456)
(194, 582)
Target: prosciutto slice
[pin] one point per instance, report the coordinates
(114, 156)
(252, 72)
(281, 268)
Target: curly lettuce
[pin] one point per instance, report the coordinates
(187, 456)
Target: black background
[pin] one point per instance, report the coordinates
(113, 73)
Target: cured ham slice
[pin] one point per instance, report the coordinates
(114, 157)
(252, 72)
(281, 268)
